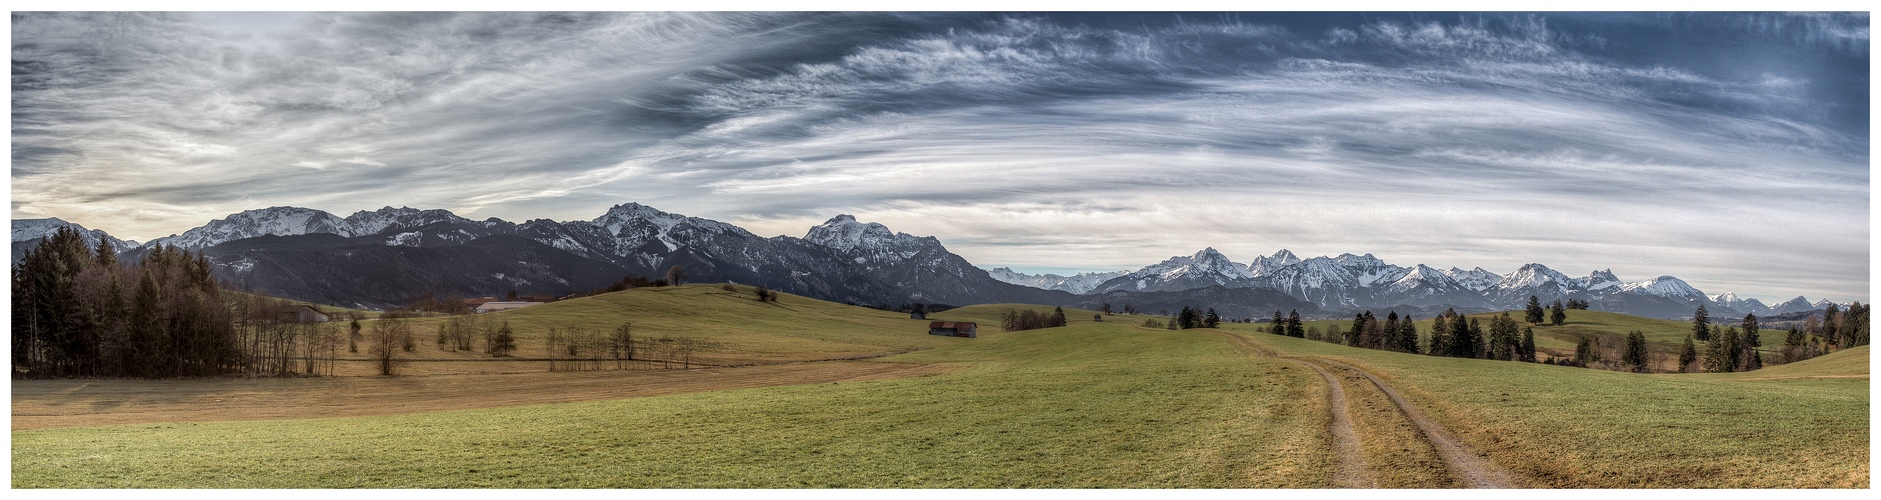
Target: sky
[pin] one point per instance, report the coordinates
(1730, 150)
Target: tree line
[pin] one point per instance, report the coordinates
(78, 312)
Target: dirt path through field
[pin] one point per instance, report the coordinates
(44, 404)
(1354, 471)
(1475, 471)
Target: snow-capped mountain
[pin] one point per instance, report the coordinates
(1798, 304)
(1203, 269)
(27, 234)
(1475, 279)
(869, 244)
(1531, 280)
(1598, 280)
(1079, 283)
(278, 221)
(1320, 280)
(1748, 306)
(388, 219)
(1267, 263)
(1426, 286)
(391, 255)
(1665, 286)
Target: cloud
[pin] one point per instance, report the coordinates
(1045, 141)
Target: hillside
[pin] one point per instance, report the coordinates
(739, 328)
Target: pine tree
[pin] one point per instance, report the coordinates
(1749, 357)
(1534, 310)
(1560, 315)
(1527, 351)
(1502, 341)
(1687, 354)
(1354, 336)
(505, 340)
(1831, 318)
(1294, 328)
(1058, 316)
(1212, 320)
(1280, 325)
(1440, 334)
(1407, 335)
(1584, 352)
(1635, 355)
(1700, 327)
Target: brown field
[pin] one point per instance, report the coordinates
(46, 404)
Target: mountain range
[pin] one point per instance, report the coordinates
(387, 257)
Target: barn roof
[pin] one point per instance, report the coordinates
(949, 325)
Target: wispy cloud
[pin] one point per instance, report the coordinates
(1576, 140)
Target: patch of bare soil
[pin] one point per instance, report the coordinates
(45, 404)
(1354, 472)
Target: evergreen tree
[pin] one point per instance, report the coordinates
(1407, 335)
(1212, 320)
(1388, 333)
(1700, 326)
(1749, 358)
(1280, 325)
(1440, 334)
(1560, 315)
(1831, 319)
(1634, 357)
(1584, 352)
(1058, 316)
(1534, 310)
(1354, 336)
(1721, 354)
(1687, 354)
(1527, 350)
(505, 340)
(1502, 341)
(1294, 328)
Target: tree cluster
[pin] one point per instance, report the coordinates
(78, 313)
(1394, 334)
(1031, 320)
(1195, 318)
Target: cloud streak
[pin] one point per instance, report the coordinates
(1054, 141)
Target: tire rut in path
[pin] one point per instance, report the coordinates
(1475, 471)
(1353, 471)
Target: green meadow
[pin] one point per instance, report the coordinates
(1091, 405)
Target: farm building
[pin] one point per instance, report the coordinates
(503, 306)
(917, 315)
(305, 314)
(954, 329)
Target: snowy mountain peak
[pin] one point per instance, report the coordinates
(1665, 286)
(845, 233)
(278, 221)
(25, 230)
(363, 223)
(1534, 278)
(1264, 265)
(1725, 298)
(1475, 279)
(1599, 280)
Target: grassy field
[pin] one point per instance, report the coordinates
(1091, 405)
(1802, 425)
(793, 328)
(1094, 404)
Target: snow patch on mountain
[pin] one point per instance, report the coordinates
(1266, 264)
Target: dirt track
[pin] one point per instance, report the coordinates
(1474, 470)
(44, 404)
